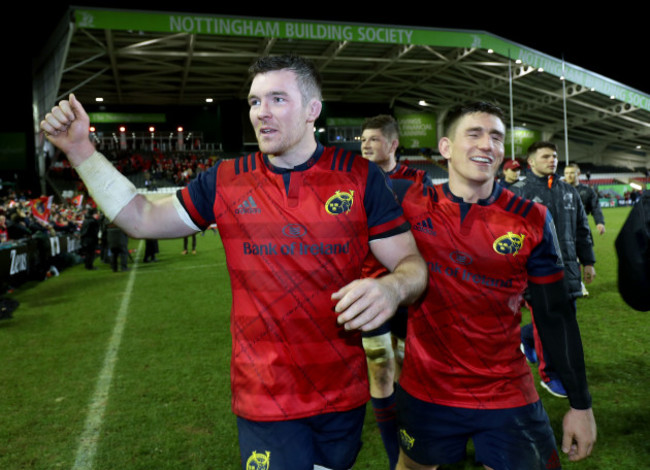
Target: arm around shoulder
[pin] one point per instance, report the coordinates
(400, 255)
(367, 303)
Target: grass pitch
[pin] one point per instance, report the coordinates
(168, 403)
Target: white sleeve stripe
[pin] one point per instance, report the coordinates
(182, 213)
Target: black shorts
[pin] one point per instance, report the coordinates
(515, 438)
(331, 440)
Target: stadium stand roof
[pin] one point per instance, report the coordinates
(164, 58)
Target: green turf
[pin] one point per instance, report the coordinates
(169, 400)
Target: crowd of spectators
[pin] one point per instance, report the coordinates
(159, 169)
(19, 219)
(35, 237)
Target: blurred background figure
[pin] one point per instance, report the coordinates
(118, 244)
(184, 252)
(633, 250)
(150, 250)
(89, 238)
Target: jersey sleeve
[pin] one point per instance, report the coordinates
(385, 215)
(197, 198)
(554, 314)
(555, 317)
(401, 187)
(545, 262)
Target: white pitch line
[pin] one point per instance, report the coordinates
(160, 267)
(90, 437)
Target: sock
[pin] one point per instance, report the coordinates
(385, 415)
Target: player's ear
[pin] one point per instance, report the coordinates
(393, 146)
(314, 107)
(444, 146)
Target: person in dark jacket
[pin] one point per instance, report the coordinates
(511, 173)
(587, 195)
(89, 238)
(544, 186)
(118, 244)
(633, 250)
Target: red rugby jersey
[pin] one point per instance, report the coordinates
(462, 344)
(292, 238)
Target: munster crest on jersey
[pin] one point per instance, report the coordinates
(259, 461)
(340, 203)
(509, 243)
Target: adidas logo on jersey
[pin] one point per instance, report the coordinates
(425, 226)
(248, 207)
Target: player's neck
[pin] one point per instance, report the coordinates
(471, 191)
(296, 156)
(538, 174)
(389, 165)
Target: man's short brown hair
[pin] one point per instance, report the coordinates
(385, 123)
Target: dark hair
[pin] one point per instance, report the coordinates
(309, 80)
(385, 123)
(540, 144)
(457, 112)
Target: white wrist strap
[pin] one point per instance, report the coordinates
(110, 189)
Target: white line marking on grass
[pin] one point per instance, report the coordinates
(162, 268)
(90, 437)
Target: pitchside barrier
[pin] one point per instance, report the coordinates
(31, 258)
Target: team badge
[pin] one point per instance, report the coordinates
(340, 203)
(407, 441)
(509, 243)
(259, 461)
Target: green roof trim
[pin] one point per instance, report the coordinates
(167, 22)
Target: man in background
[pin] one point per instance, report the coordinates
(544, 186)
(511, 172)
(89, 238)
(588, 196)
(384, 346)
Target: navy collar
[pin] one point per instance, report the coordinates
(496, 192)
(302, 167)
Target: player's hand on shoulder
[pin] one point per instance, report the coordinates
(365, 304)
(579, 433)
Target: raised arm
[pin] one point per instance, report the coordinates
(67, 127)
